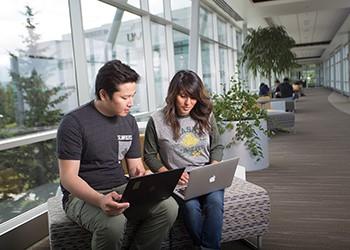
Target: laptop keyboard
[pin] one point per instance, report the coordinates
(182, 190)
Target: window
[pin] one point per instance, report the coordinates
(160, 63)
(112, 33)
(29, 176)
(224, 78)
(222, 34)
(156, 7)
(208, 65)
(181, 12)
(36, 88)
(181, 44)
(346, 69)
(36, 68)
(205, 23)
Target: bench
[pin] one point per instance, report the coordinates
(246, 214)
(277, 119)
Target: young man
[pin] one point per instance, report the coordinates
(91, 142)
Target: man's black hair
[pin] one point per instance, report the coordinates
(286, 79)
(111, 75)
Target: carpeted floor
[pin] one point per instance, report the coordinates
(309, 179)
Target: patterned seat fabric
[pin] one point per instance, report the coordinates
(246, 214)
(280, 119)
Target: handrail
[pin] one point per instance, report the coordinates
(27, 139)
(44, 136)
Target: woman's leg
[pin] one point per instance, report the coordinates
(192, 214)
(213, 209)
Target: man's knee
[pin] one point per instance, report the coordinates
(170, 209)
(113, 228)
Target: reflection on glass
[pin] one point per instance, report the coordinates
(28, 177)
(223, 63)
(205, 23)
(222, 34)
(112, 33)
(181, 45)
(156, 7)
(160, 63)
(208, 65)
(36, 69)
(181, 12)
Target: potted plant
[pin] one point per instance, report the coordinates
(242, 125)
(268, 51)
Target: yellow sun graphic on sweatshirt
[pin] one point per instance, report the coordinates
(189, 140)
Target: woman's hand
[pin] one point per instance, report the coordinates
(184, 178)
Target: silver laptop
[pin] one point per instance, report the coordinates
(208, 178)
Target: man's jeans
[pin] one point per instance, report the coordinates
(153, 222)
(203, 217)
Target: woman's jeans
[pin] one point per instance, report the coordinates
(203, 218)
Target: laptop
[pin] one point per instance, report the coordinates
(208, 178)
(151, 188)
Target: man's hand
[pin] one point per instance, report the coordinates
(110, 205)
(184, 178)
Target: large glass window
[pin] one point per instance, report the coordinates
(208, 65)
(346, 68)
(156, 7)
(332, 72)
(28, 177)
(181, 12)
(338, 70)
(160, 63)
(36, 68)
(223, 60)
(112, 33)
(36, 88)
(181, 45)
(222, 34)
(205, 23)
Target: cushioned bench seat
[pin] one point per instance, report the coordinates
(246, 214)
(277, 119)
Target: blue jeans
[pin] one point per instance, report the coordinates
(203, 218)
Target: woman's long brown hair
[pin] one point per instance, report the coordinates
(189, 83)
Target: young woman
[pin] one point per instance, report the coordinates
(184, 134)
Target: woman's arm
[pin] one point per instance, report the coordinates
(151, 148)
(216, 147)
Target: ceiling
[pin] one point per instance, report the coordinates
(317, 26)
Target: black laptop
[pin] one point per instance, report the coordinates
(151, 188)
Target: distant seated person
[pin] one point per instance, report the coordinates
(264, 90)
(297, 86)
(284, 90)
(274, 89)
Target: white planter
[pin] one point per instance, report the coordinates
(238, 149)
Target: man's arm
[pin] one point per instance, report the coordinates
(69, 169)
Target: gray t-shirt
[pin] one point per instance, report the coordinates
(100, 143)
(191, 149)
